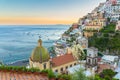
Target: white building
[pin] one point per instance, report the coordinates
(118, 67)
(83, 42)
(60, 47)
(109, 59)
(117, 76)
(76, 31)
(111, 9)
(73, 69)
(65, 37)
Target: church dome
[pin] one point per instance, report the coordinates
(40, 54)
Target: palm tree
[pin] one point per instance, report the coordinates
(78, 52)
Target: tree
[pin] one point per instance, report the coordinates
(97, 77)
(64, 77)
(108, 40)
(51, 74)
(79, 75)
(107, 74)
(108, 20)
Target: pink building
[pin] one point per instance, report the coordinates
(114, 2)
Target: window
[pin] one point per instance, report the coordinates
(66, 67)
(44, 65)
(74, 63)
(61, 69)
(89, 61)
(95, 55)
(71, 65)
(95, 61)
(56, 70)
(89, 54)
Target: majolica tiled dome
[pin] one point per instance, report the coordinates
(40, 54)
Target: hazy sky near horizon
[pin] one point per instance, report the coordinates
(44, 11)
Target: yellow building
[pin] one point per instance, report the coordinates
(40, 58)
(96, 24)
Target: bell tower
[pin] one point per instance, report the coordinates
(92, 58)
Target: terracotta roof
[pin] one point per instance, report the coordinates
(9, 75)
(64, 59)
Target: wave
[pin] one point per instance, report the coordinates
(10, 63)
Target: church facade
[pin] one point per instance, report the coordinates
(40, 59)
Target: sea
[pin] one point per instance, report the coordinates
(18, 41)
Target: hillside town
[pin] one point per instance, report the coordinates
(72, 51)
(70, 48)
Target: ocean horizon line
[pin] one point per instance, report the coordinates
(30, 24)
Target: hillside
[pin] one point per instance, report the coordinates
(106, 39)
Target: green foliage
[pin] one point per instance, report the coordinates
(106, 35)
(24, 69)
(44, 71)
(79, 75)
(109, 28)
(115, 79)
(107, 74)
(108, 19)
(33, 70)
(103, 41)
(97, 77)
(85, 51)
(51, 74)
(73, 38)
(17, 68)
(65, 77)
(68, 31)
(83, 55)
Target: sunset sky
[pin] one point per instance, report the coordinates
(44, 11)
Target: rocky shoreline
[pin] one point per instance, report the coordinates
(19, 63)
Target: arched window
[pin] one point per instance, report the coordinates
(89, 61)
(44, 65)
(61, 69)
(66, 67)
(56, 70)
(95, 61)
(74, 63)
